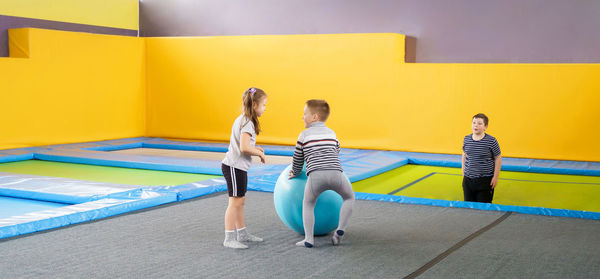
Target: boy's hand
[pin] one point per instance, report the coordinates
(262, 156)
(260, 148)
(494, 182)
(291, 175)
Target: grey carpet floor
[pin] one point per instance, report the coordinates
(384, 240)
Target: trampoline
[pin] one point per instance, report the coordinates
(89, 181)
(573, 192)
(102, 173)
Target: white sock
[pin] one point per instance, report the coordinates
(230, 235)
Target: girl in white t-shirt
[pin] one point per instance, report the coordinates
(236, 164)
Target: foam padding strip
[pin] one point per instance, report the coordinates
(15, 158)
(509, 164)
(193, 190)
(73, 214)
(372, 164)
(63, 190)
(481, 206)
(132, 161)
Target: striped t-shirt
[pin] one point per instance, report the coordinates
(480, 154)
(319, 147)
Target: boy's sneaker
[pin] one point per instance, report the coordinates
(337, 237)
(234, 244)
(249, 238)
(304, 244)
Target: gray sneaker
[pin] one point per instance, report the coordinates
(249, 238)
(234, 244)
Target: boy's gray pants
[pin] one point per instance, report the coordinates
(318, 182)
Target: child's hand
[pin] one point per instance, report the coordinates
(262, 156)
(494, 182)
(291, 175)
(260, 148)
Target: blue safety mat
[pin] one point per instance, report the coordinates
(56, 189)
(13, 206)
(83, 212)
(91, 200)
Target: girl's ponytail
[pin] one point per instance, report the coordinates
(251, 97)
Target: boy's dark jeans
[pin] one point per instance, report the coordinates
(478, 189)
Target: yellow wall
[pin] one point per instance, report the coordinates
(536, 110)
(107, 13)
(73, 87)
(195, 84)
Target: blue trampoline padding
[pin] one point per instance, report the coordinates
(186, 147)
(481, 206)
(211, 146)
(193, 190)
(5, 158)
(99, 144)
(445, 160)
(509, 164)
(115, 147)
(358, 164)
(55, 189)
(372, 164)
(263, 177)
(100, 158)
(19, 151)
(63, 216)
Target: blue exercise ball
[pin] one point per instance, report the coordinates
(288, 196)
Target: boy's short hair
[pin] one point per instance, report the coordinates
(482, 116)
(319, 107)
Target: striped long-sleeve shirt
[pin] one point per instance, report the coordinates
(319, 147)
(480, 156)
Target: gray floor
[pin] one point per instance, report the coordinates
(384, 240)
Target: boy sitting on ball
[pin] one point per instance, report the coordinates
(319, 147)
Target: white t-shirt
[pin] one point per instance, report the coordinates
(234, 157)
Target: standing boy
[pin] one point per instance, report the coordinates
(481, 162)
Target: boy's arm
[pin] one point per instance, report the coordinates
(462, 165)
(497, 167)
(497, 162)
(298, 161)
(464, 158)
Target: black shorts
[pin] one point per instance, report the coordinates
(237, 181)
(478, 189)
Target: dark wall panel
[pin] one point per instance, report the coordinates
(10, 22)
(469, 31)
